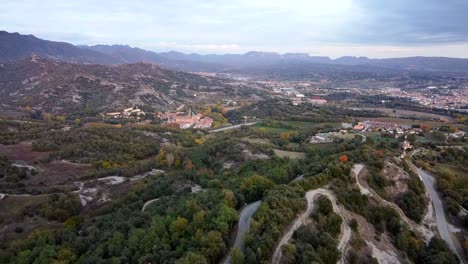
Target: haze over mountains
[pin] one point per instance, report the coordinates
(14, 46)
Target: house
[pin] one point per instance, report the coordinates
(114, 115)
(317, 100)
(206, 122)
(358, 127)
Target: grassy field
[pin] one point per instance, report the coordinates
(257, 140)
(294, 126)
(271, 130)
(375, 136)
(289, 154)
(321, 146)
(405, 121)
(410, 114)
(309, 125)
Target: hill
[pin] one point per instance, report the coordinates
(63, 87)
(14, 46)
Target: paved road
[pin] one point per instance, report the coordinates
(310, 197)
(243, 227)
(232, 127)
(441, 219)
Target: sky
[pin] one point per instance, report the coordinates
(372, 28)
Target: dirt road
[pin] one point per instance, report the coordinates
(310, 197)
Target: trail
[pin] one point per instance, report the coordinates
(148, 203)
(302, 219)
(356, 170)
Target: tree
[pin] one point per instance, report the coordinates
(213, 245)
(192, 258)
(343, 159)
(285, 136)
(179, 225)
(189, 165)
(254, 186)
(237, 257)
(289, 253)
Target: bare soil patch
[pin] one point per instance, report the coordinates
(22, 152)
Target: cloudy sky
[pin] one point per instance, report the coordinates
(374, 28)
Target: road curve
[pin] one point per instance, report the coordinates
(232, 127)
(440, 216)
(243, 227)
(310, 197)
(424, 231)
(148, 203)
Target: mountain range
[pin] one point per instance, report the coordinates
(14, 46)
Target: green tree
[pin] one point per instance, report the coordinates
(237, 257)
(192, 258)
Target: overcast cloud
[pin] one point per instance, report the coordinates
(333, 27)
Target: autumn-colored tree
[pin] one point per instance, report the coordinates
(379, 153)
(285, 136)
(425, 128)
(230, 198)
(343, 159)
(189, 165)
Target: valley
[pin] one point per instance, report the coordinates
(114, 154)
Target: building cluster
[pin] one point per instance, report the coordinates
(186, 120)
(298, 98)
(132, 112)
(442, 97)
(380, 126)
(329, 137)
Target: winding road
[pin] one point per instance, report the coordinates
(441, 219)
(243, 227)
(426, 232)
(310, 197)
